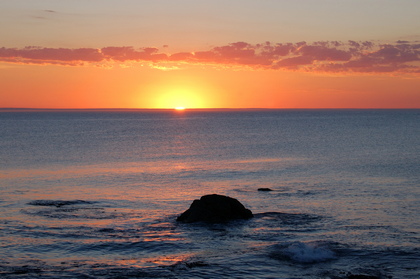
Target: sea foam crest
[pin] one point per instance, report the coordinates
(306, 252)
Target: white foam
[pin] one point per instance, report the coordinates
(308, 252)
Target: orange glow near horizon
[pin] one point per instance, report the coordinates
(52, 86)
(179, 98)
(187, 89)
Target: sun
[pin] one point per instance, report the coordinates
(179, 99)
(179, 92)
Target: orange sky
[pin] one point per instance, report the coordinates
(209, 55)
(49, 86)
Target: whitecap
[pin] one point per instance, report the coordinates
(304, 252)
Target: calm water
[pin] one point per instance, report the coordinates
(95, 194)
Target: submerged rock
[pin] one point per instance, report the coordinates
(58, 203)
(196, 264)
(264, 189)
(359, 276)
(215, 209)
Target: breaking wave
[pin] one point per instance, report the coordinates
(304, 252)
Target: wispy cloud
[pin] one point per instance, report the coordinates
(325, 56)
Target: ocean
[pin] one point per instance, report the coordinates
(96, 193)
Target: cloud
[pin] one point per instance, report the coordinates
(130, 54)
(39, 55)
(294, 62)
(323, 53)
(403, 58)
(324, 56)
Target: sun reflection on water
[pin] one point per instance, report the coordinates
(166, 260)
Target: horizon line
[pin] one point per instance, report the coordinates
(193, 109)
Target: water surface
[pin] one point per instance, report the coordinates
(95, 194)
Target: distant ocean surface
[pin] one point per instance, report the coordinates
(95, 193)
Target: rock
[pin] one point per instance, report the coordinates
(215, 209)
(196, 264)
(264, 189)
(358, 276)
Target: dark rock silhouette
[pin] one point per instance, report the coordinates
(264, 189)
(356, 276)
(215, 209)
(196, 264)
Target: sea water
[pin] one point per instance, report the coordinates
(96, 193)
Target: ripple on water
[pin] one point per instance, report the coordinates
(70, 209)
(58, 203)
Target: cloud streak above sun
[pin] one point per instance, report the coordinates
(401, 57)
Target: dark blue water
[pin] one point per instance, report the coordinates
(95, 194)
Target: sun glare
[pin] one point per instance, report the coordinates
(179, 99)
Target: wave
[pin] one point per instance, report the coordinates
(292, 219)
(70, 209)
(304, 252)
(58, 203)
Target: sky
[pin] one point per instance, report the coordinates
(209, 54)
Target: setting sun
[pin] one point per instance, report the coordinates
(179, 98)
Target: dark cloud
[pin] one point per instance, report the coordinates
(324, 56)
